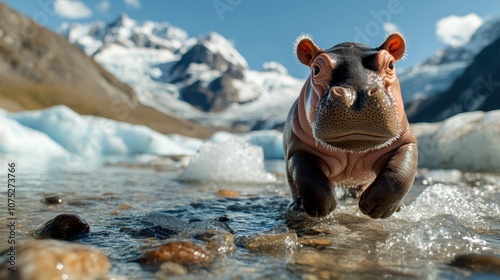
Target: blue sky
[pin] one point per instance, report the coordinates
(265, 30)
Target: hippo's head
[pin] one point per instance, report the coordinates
(353, 99)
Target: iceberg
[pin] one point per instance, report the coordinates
(17, 139)
(94, 136)
(468, 142)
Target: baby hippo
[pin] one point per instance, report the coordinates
(348, 128)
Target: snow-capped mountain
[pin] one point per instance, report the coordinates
(204, 78)
(436, 74)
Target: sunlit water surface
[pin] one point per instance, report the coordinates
(446, 213)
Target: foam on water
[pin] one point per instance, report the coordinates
(230, 161)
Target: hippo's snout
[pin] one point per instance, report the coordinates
(350, 98)
(356, 121)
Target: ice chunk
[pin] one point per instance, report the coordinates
(18, 139)
(91, 136)
(231, 161)
(271, 141)
(467, 141)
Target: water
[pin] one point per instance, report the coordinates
(447, 213)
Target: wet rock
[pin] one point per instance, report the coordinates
(64, 227)
(167, 223)
(314, 260)
(52, 200)
(478, 262)
(227, 193)
(315, 242)
(54, 259)
(199, 226)
(273, 242)
(120, 208)
(123, 206)
(170, 268)
(221, 242)
(181, 252)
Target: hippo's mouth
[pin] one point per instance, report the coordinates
(358, 136)
(359, 142)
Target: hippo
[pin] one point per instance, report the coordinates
(348, 128)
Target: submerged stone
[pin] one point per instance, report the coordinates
(54, 259)
(52, 200)
(64, 227)
(221, 242)
(273, 242)
(478, 262)
(228, 193)
(166, 222)
(181, 252)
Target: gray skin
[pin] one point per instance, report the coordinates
(348, 128)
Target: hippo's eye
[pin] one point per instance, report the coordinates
(391, 65)
(316, 70)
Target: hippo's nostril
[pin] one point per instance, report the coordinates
(372, 91)
(338, 91)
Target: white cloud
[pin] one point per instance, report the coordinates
(72, 9)
(133, 3)
(456, 31)
(103, 6)
(390, 27)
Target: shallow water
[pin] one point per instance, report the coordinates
(447, 213)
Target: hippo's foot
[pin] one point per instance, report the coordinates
(296, 205)
(383, 197)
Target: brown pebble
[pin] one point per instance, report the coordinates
(52, 200)
(54, 259)
(316, 242)
(123, 206)
(221, 242)
(227, 193)
(180, 252)
(170, 268)
(478, 262)
(273, 242)
(64, 227)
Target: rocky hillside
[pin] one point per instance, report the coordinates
(39, 69)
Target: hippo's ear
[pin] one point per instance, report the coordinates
(395, 45)
(306, 50)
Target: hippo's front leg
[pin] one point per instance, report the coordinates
(384, 195)
(312, 187)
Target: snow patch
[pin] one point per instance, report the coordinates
(216, 43)
(273, 66)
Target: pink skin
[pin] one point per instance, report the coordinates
(308, 159)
